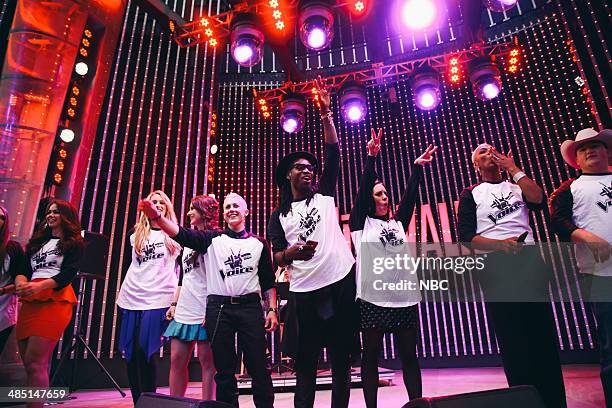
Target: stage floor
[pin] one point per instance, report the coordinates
(582, 384)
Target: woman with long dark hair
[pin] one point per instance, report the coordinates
(47, 298)
(189, 307)
(11, 263)
(372, 222)
(146, 294)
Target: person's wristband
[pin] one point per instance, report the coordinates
(327, 115)
(173, 304)
(518, 175)
(272, 309)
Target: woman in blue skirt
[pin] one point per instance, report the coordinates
(146, 294)
(188, 310)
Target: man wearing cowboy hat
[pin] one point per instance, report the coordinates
(307, 239)
(581, 212)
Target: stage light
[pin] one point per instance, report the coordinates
(60, 165)
(85, 42)
(214, 149)
(57, 178)
(419, 14)
(247, 41)
(293, 108)
(67, 135)
(485, 77)
(280, 25)
(316, 23)
(83, 52)
(425, 84)
(500, 5)
(512, 60)
(71, 112)
(81, 68)
(73, 101)
(353, 101)
(87, 33)
(454, 70)
(75, 90)
(63, 153)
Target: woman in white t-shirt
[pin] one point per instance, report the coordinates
(189, 307)
(377, 229)
(145, 295)
(45, 291)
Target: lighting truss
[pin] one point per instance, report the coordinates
(377, 73)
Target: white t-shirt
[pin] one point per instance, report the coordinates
(151, 280)
(498, 209)
(47, 262)
(191, 304)
(233, 265)
(390, 236)
(586, 203)
(318, 222)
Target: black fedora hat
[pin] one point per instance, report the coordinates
(285, 163)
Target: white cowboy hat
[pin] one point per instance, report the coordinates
(568, 147)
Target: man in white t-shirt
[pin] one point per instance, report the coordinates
(307, 239)
(581, 212)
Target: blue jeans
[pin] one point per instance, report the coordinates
(603, 315)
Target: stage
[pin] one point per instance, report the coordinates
(583, 389)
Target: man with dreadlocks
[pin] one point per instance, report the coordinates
(307, 239)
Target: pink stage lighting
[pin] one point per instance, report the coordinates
(419, 14)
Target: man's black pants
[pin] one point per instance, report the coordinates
(223, 321)
(326, 317)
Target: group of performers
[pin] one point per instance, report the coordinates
(203, 286)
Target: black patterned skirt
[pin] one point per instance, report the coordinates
(388, 319)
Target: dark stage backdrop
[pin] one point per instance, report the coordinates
(538, 108)
(153, 135)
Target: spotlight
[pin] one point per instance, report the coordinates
(67, 135)
(81, 68)
(247, 41)
(425, 84)
(484, 76)
(500, 5)
(419, 14)
(293, 107)
(353, 101)
(214, 149)
(316, 23)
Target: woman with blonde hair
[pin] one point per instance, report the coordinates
(145, 295)
(47, 298)
(189, 307)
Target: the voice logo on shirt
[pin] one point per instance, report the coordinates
(504, 207)
(388, 236)
(149, 252)
(606, 192)
(308, 223)
(234, 262)
(191, 262)
(40, 259)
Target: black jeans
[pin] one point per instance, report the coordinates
(525, 331)
(223, 321)
(326, 317)
(142, 372)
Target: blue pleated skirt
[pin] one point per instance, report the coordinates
(186, 332)
(144, 326)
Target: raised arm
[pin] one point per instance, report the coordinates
(190, 238)
(409, 198)
(533, 194)
(360, 209)
(329, 130)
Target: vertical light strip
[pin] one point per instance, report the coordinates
(128, 14)
(123, 166)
